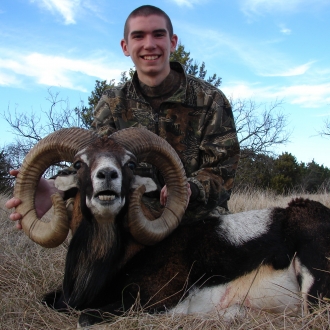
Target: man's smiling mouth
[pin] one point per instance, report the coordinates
(151, 57)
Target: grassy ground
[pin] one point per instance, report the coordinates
(27, 271)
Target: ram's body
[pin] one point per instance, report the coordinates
(257, 259)
(271, 259)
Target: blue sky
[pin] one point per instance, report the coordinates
(264, 50)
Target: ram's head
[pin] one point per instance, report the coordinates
(102, 171)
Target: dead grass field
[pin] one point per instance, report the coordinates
(27, 271)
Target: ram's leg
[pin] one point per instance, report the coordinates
(314, 280)
(130, 299)
(89, 317)
(55, 300)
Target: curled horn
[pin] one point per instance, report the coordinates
(59, 146)
(152, 149)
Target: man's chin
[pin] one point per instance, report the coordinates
(151, 71)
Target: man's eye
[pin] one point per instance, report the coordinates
(77, 165)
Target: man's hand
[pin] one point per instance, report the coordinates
(42, 202)
(163, 195)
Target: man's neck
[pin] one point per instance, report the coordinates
(165, 89)
(153, 81)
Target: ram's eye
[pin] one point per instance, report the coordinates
(77, 165)
(131, 165)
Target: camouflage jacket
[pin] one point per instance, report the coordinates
(197, 121)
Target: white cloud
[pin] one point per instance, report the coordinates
(69, 10)
(52, 70)
(295, 71)
(244, 90)
(326, 114)
(8, 79)
(260, 7)
(66, 8)
(260, 57)
(285, 30)
(307, 96)
(189, 3)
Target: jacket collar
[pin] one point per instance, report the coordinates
(133, 90)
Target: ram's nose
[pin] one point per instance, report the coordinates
(107, 174)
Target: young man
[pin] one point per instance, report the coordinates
(190, 114)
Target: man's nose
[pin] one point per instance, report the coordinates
(150, 42)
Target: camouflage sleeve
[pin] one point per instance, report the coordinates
(219, 156)
(102, 117)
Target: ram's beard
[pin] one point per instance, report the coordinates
(93, 253)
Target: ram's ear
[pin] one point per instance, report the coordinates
(147, 182)
(66, 179)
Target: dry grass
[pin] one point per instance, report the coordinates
(27, 271)
(253, 199)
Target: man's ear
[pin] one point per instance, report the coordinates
(174, 42)
(124, 47)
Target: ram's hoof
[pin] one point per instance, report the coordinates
(89, 317)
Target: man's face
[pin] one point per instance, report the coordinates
(149, 45)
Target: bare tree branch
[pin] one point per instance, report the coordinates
(30, 128)
(325, 131)
(259, 126)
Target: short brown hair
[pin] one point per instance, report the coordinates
(145, 11)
